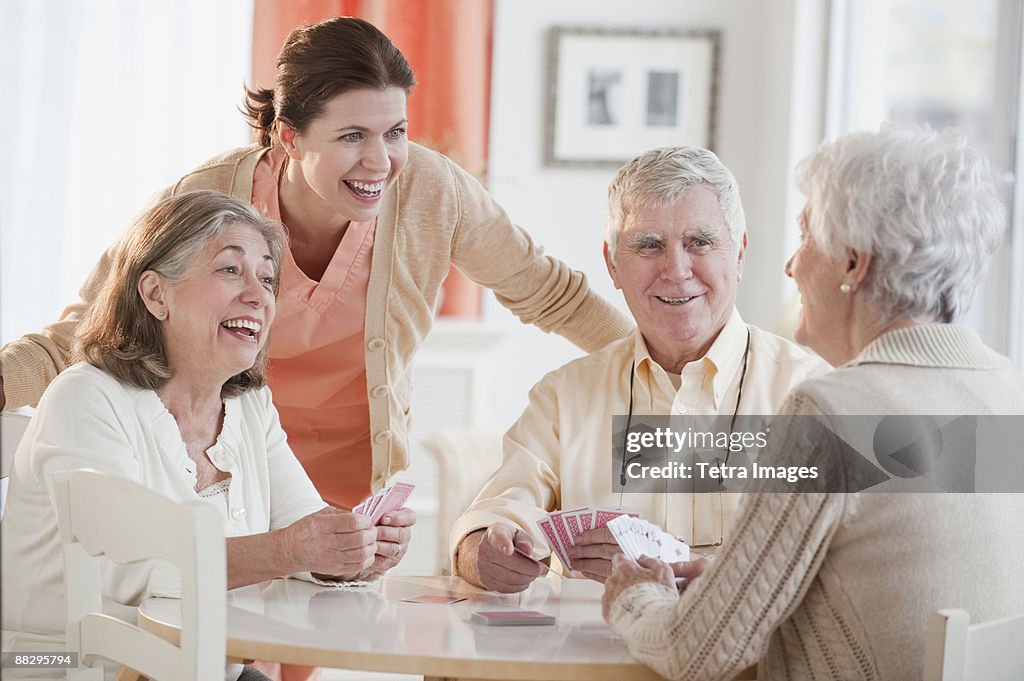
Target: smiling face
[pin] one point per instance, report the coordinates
(352, 152)
(678, 268)
(823, 326)
(217, 317)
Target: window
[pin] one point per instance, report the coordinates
(948, 63)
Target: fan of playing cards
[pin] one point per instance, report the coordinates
(637, 537)
(388, 499)
(562, 527)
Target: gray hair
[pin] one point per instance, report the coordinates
(660, 177)
(921, 201)
(119, 335)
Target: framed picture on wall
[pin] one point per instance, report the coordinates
(614, 93)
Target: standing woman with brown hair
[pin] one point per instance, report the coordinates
(374, 223)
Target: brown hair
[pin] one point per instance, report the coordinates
(119, 335)
(319, 62)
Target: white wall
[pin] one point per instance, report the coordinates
(759, 137)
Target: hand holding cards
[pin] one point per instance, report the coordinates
(561, 528)
(389, 499)
(638, 537)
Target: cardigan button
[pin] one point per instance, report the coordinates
(381, 391)
(376, 344)
(238, 513)
(382, 437)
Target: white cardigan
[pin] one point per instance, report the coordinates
(88, 419)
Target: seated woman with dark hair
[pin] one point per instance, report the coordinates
(896, 234)
(171, 394)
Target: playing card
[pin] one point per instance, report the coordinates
(531, 558)
(603, 515)
(548, 529)
(586, 518)
(559, 517)
(564, 537)
(372, 502)
(637, 537)
(362, 506)
(434, 599)
(512, 618)
(392, 500)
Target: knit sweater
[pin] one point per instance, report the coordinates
(434, 216)
(840, 586)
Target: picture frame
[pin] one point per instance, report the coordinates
(613, 93)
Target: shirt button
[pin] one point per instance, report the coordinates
(679, 409)
(381, 391)
(376, 344)
(238, 513)
(382, 437)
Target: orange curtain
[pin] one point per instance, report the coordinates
(448, 45)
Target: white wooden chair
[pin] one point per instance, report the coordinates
(465, 458)
(12, 427)
(102, 515)
(957, 650)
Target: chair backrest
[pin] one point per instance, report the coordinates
(102, 515)
(957, 650)
(12, 427)
(465, 458)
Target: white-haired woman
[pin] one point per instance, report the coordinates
(171, 393)
(896, 233)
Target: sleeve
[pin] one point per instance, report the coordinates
(723, 623)
(79, 427)
(31, 362)
(527, 484)
(537, 288)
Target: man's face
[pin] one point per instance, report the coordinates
(678, 268)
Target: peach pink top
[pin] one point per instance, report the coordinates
(317, 359)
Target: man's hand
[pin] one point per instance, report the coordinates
(393, 534)
(487, 559)
(593, 552)
(331, 543)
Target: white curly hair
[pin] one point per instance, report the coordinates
(921, 201)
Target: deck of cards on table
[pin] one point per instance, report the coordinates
(562, 527)
(638, 537)
(389, 499)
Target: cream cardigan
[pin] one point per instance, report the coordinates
(88, 419)
(840, 586)
(435, 215)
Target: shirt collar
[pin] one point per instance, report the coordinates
(724, 358)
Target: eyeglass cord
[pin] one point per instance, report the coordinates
(629, 419)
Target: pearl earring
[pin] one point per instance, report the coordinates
(845, 288)
(163, 313)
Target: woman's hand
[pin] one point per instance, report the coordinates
(626, 573)
(393, 533)
(331, 543)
